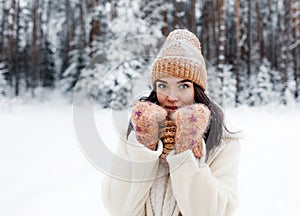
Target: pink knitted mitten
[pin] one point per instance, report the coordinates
(191, 122)
(145, 118)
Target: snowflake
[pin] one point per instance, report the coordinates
(138, 113)
(194, 143)
(193, 118)
(138, 129)
(194, 132)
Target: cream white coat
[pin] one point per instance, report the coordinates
(205, 187)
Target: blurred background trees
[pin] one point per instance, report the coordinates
(252, 47)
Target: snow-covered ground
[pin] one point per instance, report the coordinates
(43, 171)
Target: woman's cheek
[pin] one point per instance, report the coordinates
(161, 98)
(187, 98)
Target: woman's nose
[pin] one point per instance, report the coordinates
(173, 96)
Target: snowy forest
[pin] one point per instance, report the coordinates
(101, 49)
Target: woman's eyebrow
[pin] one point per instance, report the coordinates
(161, 81)
(183, 81)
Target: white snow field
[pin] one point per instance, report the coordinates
(44, 172)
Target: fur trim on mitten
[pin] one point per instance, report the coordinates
(145, 118)
(191, 122)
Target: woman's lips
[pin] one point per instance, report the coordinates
(171, 108)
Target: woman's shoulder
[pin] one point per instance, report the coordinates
(229, 145)
(227, 136)
(232, 140)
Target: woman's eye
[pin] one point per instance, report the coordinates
(161, 85)
(184, 86)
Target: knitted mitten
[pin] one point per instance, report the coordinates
(145, 118)
(191, 122)
(167, 135)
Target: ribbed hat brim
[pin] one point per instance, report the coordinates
(179, 67)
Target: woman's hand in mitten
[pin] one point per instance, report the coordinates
(145, 118)
(191, 122)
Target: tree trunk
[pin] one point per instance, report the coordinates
(3, 29)
(95, 31)
(296, 45)
(237, 52)
(4, 51)
(90, 5)
(34, 46)
(178, 14)
(81, 60)
(271, 42)
(286, 50)
(69, 37)
(12, 48)
(165, 30)
(214, 41)
(191, 16)
(221, 37)
(82, 27)
(260, 38)
(205, 23)
(278, 39)
(211, 31)
(113, 12)
(249, 40)
(16, 50)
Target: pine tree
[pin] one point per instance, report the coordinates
(99, 32)
(229, 86)
(215, 88)
(47, 64)
(295, 47)
(4, 86)
(34, 70)
(13, 45)
(249, 43)
(67, 38)
(259, 32)
(5, 73)
(237, 60)
(221, 4)
(264, 89)
(79, 53)
(285, 58)
(132, 51)
(154, 14)
(43, 42)
(207, 35)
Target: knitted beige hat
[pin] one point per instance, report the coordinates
(181, 57)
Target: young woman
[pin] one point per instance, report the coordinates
(184, 160)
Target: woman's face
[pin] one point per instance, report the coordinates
(173, 93)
